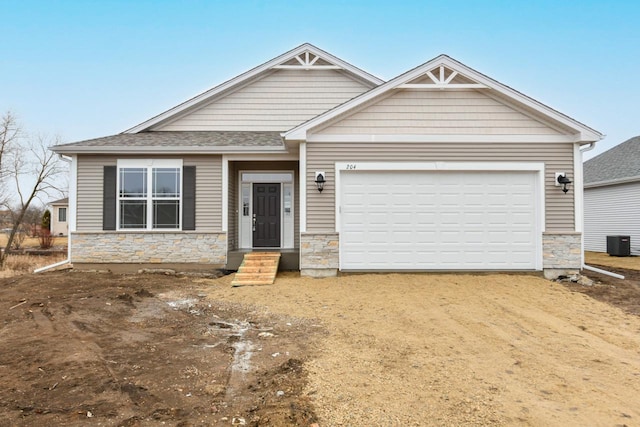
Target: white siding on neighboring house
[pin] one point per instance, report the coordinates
(59, 220)
(277, 102)
(432, 112)
(610, 211)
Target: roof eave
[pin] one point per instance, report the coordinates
(627, 180)
(584, 133)
(110, 149)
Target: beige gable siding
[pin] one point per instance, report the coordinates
(438, 112)
(322, 157)
(208, 191)
(277, 102)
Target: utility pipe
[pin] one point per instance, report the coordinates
(601, 271)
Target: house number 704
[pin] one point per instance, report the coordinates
(350, 166)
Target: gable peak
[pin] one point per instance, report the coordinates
(442, 76)
(307, 57)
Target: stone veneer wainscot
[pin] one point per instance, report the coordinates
(561, 254)
(149, 247)
(319, 254)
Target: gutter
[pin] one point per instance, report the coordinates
(68, 260)
(605, 272)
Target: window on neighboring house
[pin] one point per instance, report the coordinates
(62, 214)
(149, 194)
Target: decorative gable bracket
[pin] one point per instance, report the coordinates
(307, 61)
(442, 78)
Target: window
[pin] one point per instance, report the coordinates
(149, 194)
(62, 214)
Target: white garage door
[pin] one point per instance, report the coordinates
(444, 220)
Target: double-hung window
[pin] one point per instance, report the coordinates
(149, 194)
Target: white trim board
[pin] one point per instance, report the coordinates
(506, 139)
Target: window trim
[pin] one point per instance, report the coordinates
(149, 164)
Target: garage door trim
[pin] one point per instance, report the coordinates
(536, 167)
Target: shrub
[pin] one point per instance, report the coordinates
(46, 239)
(46, 220)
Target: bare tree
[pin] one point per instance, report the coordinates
(31, 166)
(10, 134)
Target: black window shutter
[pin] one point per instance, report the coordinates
(109, 198)
(188, 197)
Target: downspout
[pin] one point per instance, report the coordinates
(590, 147)
(68, 260)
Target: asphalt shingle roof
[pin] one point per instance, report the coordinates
(186, 139)
(619, 163)
(64, 201)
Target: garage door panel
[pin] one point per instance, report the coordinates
(438, 220)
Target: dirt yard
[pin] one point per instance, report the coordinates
(378, 350)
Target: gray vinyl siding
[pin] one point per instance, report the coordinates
(233, 207)
(89, 187)
(323, 155)
(208, 190)
(610, 211)
(433, 112)
(277, 102)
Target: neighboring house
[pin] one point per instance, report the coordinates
(612, 196)
(59, 217)
(440, 168)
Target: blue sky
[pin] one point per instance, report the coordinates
(84, 69)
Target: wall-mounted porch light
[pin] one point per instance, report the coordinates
(320, 180)
(561, 179)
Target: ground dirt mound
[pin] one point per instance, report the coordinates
(143, 350)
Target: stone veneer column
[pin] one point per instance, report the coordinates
(561, 254)
(150, 247)
(319, 254)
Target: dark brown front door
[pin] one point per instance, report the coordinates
(266, 215)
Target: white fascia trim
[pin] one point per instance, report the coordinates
(578, 180)
(545, 139)
(166, 150)
(613, 182)
(264, 157)
(446, 166)
(302, 177)
(578, 191)
(225, 194)
(248, 75)
(586, 133)
(73, 195)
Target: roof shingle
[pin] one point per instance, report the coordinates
(621, 162)
(178, 139)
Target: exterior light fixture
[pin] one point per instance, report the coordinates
(320, 180)
(562, 179)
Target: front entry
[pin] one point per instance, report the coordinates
(266, 215)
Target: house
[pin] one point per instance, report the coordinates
(440, 168)
(59, 209)
(612, 196)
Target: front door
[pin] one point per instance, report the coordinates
(266, 215)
